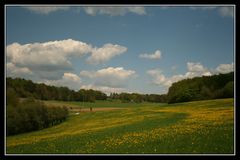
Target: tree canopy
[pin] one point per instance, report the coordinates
(26, 88)
(202, 88)
(198, 88)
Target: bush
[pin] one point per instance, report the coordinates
(31, 115)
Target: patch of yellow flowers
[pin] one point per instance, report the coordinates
(197, 121)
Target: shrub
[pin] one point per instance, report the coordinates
(31, 115)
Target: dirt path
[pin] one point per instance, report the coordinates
(93, 109)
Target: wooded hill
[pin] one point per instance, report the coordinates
(202, 88)
(26, 88)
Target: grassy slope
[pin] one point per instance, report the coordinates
(194, 127)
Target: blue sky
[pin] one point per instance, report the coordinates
(118, 49)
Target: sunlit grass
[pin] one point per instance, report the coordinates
(193, 127)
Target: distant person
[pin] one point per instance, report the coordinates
(91, 109)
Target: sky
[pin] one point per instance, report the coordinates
(141, 49)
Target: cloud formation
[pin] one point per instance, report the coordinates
(105, 53)
(50, 63)
(158, 77)
(110, 77)
(224, 11)
(46, 9)
(50, 60)
(14, 71)
(69, 80)
(104, 89)
(108, 80)
(114, 11)
(194, 70)
(53, 55)
(156, 55)
(107, 10)
(203, 8)
(225, 68)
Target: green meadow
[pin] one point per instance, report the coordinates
(200, 127)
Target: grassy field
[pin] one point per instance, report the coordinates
(145, 128)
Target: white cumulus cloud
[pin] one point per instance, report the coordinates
(196, 69)
(91, 10)
(158, 77)
(226, 11)
(114, 11)
(50, 60)
(225, 68)
(110, 77)
(104, 89)
(46, 9)
(50, 63)
(193, 70)
(156, 55)
(69, 80)
(105, 53)
(14, 71)
(53, 55)
(71, 77)
(203, 7)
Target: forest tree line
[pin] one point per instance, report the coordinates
(138, 98)
(26, 88)
(198, 88)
